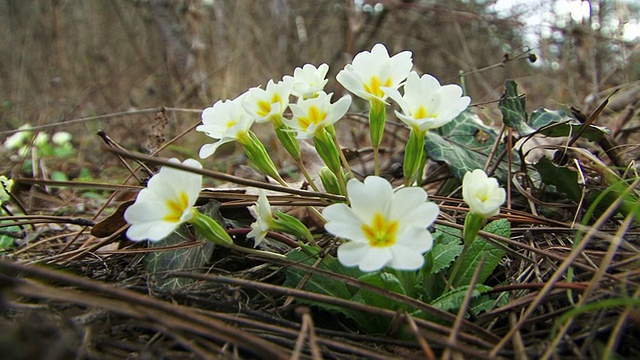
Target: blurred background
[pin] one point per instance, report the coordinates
(63, 60)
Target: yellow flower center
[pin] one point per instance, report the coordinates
(265, 108)
(373, 87)
(422, 113)
(231, 123)
(381, 232)
(176, 207)
(315, 116)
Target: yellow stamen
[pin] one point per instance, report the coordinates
(265, 108)
(382, 232)
(422, 113)
(373, 87)
(176, 207)
(316, 116)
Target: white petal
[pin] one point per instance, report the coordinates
(351, 253)
(375, 259)
(405, 258)
(370, 197)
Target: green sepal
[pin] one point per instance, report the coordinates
(377, 119)
(257, 153)
(210, 229)
(288, 140)
(472, 224)
(330, 181)
(290, 225)
(328, 151)
(413, 155)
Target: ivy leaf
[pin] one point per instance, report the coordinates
(556, 123)
(476, 251)
(464, 144)
(453, 299)
(563, 178)
(512, 106)
(161, 263)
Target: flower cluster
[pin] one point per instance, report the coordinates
(380, 227)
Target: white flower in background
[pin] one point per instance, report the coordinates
(308, 80)
(264, 219)
(226, 121)
(370, 71)
(18, 139)
(482, 193)
(165, 203)
(61, 138)
(426, 104)
(383, 228)
(268, 104)
(313, 115)
(42, 139)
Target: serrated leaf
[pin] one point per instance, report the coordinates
(464, 144)
(316, 283)
(512, 106)
(486, 302)
(563, 178)
(161, 263)
(444, 251)
(385, 281)
(453, 299)
(479, 247)
(555, 123)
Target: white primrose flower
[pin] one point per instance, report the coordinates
(426, 104)
(165, 203)
(225, 120)
(18, 139)
(268, 104)
(370, 71)
(313, 115)
(264, 219)
(482, 193)
(61, 138)
(383, 227)
(42, 138)
(308, 80)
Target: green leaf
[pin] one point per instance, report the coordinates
(557, 123)
(453, 299)
(486, 302)
(161, 263)
(445, 249)
(563, 178)
(464, 144)
(477, 250)
(512, 106)
(316, 283)
(383, 280)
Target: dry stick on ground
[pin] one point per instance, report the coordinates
(133, 304)
(569, 261)
(597, 277)
(463, 307)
